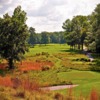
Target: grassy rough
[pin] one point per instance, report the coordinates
(69, 67)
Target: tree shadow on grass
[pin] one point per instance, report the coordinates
(95, 69)
(72, 51)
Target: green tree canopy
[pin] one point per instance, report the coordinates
(33, 37)
(13, 36)
(93, 37)
(76, 30)
(45, 38)
(96, 27)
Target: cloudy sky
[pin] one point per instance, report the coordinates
(48, 15)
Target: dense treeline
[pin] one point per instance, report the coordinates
(45, 37)
(84, 30)
(78, 32)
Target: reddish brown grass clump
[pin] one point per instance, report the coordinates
(30, 86)
(17, 83)
(6, 81)
(3, 65)
(94, 95)
(26, 66)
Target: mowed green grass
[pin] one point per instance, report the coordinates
(50, 48)
(87, 80)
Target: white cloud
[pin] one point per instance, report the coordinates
(5, 2)
(48, 15)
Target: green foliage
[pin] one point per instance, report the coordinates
(45, 38)
(13, 36)
(57, 37)
(2, 72)
(92, 39)
(84, 29)
(32, 38)
(96, 65)
(96, 27)
(76, 30)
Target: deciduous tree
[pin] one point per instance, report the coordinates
(13, 36)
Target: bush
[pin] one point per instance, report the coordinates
(58, 96)
(94, 95)
(66, 82)
(20, 94)
(1, 72)
(82, 59)
(44, 68)
(95, 66)
(98, 62)
(16, 82)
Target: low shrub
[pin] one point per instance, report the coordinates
(82, 59)
(16, 82)
(20, 94)
(98, 62)
(67, 83)
(1, 72)
(58, 96)
(94, 95)
(45, 68)
(42, 53)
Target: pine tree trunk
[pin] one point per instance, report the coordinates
(79, 46)
(74, 47)
(82, 46)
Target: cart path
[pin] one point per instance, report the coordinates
(88, 54)
(59, 87)
(90, 57)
